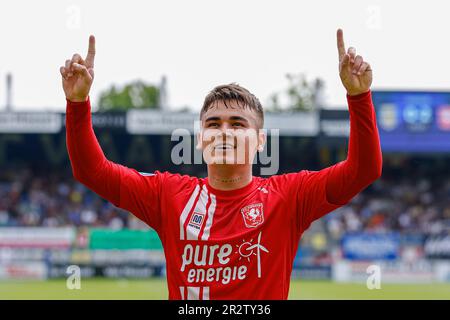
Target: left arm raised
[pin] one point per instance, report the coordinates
(323, 191)
(364, 161)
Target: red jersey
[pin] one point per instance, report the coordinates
(237, 244)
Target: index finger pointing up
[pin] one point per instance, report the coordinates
(340, 44)
(91, 53)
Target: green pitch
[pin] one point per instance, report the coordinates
(157, 289)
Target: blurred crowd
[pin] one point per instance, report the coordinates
(55, 199)
(413, 195)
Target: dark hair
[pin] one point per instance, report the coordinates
(234, 92)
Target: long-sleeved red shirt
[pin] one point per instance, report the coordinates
(237, 244)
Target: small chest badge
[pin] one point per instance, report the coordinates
(253, 215)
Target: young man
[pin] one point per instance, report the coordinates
(230, 235)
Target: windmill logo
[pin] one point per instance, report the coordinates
(247, 249)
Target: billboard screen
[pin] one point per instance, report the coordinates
(413, 121)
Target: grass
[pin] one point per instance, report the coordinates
(157, 289)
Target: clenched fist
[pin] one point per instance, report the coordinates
(355, 73)
(78, 74)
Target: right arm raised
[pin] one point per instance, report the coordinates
(124, 187)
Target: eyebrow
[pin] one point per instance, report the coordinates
(235, 118)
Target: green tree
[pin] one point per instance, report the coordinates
(136, 94)
(300, 94)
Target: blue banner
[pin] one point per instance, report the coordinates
(364, 246)
(413, 121)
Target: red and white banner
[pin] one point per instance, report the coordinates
(23, 270)
(35, 237)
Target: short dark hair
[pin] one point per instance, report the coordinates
(234, 92)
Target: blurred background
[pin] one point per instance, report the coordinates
(155, 63)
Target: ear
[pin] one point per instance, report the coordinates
(199, 141)
(261, 140)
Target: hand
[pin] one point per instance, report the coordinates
(355, 73)
(78, 74)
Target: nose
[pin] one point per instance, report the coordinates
(225, 130)
(224, 134)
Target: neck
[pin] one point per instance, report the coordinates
(229, 177)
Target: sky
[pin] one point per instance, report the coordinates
(198, 44)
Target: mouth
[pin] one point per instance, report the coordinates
(224, 146)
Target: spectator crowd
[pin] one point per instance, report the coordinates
(413, 195)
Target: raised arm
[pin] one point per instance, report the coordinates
(124, 187)
(325, 190)
(364, 160)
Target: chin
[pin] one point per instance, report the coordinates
(224, 160)
(228, 157)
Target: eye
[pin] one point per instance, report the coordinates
(212, 125)
(237, 124)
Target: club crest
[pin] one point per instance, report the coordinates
(253, 215)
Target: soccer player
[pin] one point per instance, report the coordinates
(230, 235)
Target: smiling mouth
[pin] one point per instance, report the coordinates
(224, 147)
